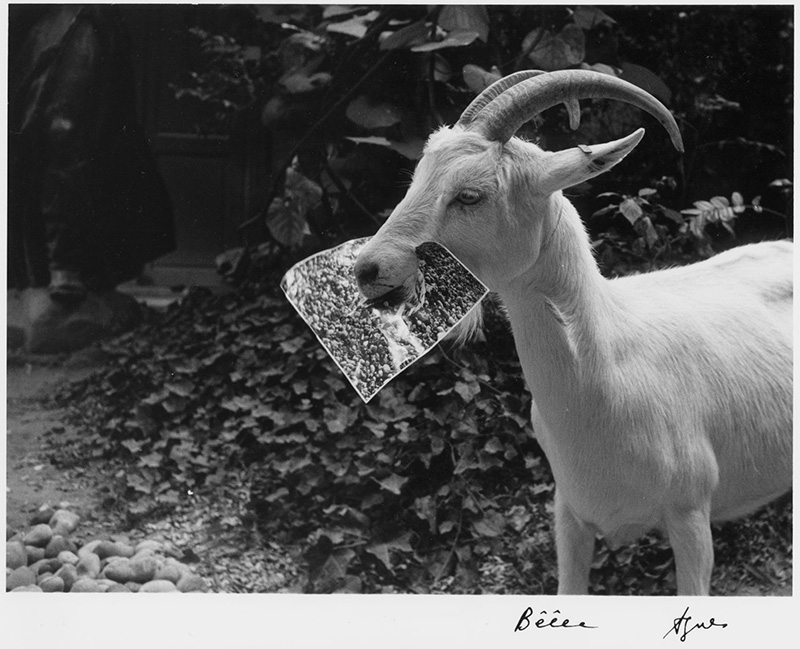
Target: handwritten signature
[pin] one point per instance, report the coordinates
(542, 622)
(680, 625)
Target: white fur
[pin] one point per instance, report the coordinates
(662, 400)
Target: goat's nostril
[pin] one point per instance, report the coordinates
(367, 273)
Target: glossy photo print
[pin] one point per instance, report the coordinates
(373, 343)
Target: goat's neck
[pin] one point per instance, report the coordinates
(562, 314)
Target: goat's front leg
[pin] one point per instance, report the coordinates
(574, 550)
(689, 533)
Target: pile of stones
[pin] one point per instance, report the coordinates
(46, 559)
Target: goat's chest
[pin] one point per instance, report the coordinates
(610, 485)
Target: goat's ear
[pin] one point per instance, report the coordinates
(573, 166)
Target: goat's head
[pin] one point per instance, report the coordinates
(487, 196)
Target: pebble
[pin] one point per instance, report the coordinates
(168, 572)
(58, 544)
(158, 586)
(143, 569)
(191, 582)
(111, 549)
(86, 585)
(45, 559)
(16, 556)
(42, 515)
(52, 584)
(22, 576)
(69, 574)
(34, 554)
(182, 567)
(38, 535)
(88, 565)
(45, 565)
(119, 570)
(89, 548)
(149, 544)
(67, 557)
(64, 522)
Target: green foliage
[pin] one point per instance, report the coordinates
(641, 232)
(388, 492)
(348, 95)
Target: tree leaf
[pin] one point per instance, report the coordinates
(557, 51)
(413, 34)
(297, 83)
(372, 114)
(588, 17)
(286, 217)
(465, 18)
(355, 27)
(646, 80)
(454, 39)
(631, 210)
(601, 67)
(478, 79)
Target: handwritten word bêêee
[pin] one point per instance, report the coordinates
(680, 625)
(541, 623)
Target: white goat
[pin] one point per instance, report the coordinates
(662, 400)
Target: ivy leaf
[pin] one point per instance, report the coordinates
(393, 483)
(467, 391)
(491, 525)
(381, 550)
(138, 483)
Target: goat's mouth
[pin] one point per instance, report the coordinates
(391, 299)
(410, 293)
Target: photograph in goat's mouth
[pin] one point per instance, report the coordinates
(373, 342)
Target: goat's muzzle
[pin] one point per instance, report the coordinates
(386, 274)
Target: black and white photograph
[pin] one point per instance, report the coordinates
(394, 324)
(373, 343)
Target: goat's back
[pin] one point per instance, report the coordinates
(719, 335)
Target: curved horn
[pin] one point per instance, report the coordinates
(500, 119)
(500, 86)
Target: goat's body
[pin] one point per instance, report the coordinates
(661, 400)
(694, 364)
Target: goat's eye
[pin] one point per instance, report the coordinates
(468, 196)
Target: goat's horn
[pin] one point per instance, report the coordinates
(500, 86)
(501, 118)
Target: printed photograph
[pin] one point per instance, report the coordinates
(373, 344)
